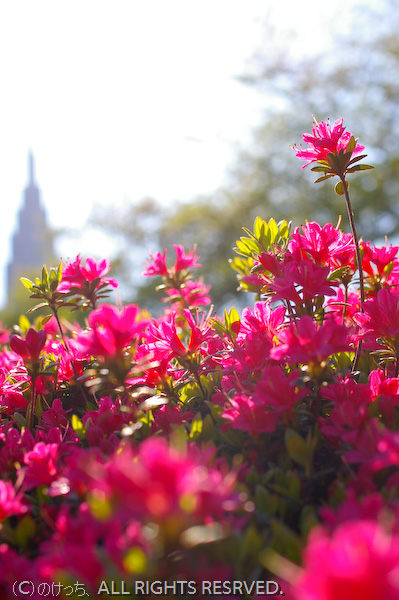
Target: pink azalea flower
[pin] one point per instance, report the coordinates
(11, 399)
(41, 465)
(386, 392)
(193, 293)
(168, 415)
(30, 347)
(107, 416)
(4, 334)
(324, 141)
(301, 282)
(55, 416)
(369, 507)
(305, 341)
(360, 560)
(69, 361)
(157, 265)
(73, 547)
(350, 415)
(376, 447)
(337, 305)
(251, 354)
(381, 266)
(77, 275)
(12, 564)
(111, 330)
(325, 245)
(246, 414)
(261, 318)
(154, 481)
(10, 501)
(184, 261)
(382, 258)
(14, 446)
(165, 335)
(380, 320)
(276, 391)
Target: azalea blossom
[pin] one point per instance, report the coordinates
(360, 560)
(243, 412)
(111, 330)
(324, 141)
(184, 260)
(379, 323)
(325, 245)
(78, 275)
(191, 293)
(41, 465)
(304, 341)
(30, 347)
(10, 501)
(157, 265)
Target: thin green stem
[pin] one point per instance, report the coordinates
(346, 304)
(32, 405)
(355, 239)
(359, 263)
(66, 345)
(63, 338)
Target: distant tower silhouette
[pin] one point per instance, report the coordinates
(32, 242)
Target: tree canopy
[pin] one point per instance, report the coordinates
(357, 80)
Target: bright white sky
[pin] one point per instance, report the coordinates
(122, 99)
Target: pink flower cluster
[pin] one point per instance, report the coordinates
(189, 446)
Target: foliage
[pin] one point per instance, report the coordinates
(261, 447)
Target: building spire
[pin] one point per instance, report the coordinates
(31, 168)
(32, 241)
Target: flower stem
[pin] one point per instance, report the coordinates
(359, 264)
(32, 405)
(355, 239)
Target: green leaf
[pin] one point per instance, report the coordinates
(298, 449)
(39, 409)
(24, 323)
(242, 249)
(251, 235)
(259, 228)
(319, 169)
(338, 273)
(351, 145)
(36, 307)
(78, 427)
(273, 229)
(59, 272)
(46, 319)
(356, 159)
(25, 531)
(45, 278)
(339, 188)
(196, 427)
(359, 168)
(208, 427)
(284, 228)
(323, 178)
(20, 419)
(27, 283)
(230, 318)
(286, 541)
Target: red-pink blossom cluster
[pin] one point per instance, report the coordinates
(261, 445)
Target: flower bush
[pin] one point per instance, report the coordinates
(198, 447)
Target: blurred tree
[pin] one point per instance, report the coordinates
(358, 80)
